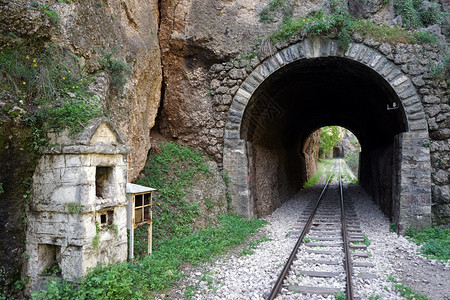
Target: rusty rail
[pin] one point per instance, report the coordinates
(347, 256)
(278, 284)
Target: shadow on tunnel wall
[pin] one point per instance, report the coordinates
(298, 99)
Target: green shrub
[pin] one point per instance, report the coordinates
(338, 23)
(339, 295)
(172, 171)
(415, 15)
(383, 32)
(117, 69)
(425, 37)
(393, 227)
(45, 11)
(432, 14)
(408, 10)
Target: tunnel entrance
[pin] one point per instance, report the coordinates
(309, 94)
(314, 84)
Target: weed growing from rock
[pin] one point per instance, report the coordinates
(415, 15)
(338, 23)
(117, 69)
(49, 85)
(442, 68)
(275, 7)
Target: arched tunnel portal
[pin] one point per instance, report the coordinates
(314, 84)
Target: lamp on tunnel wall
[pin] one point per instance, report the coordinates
(139, 213)
(394, 106)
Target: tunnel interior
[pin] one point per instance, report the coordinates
(304, 96)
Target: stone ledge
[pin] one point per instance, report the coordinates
(89, 149)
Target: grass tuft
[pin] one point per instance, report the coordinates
(322, 166)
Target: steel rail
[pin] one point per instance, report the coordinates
(347, 256)
(278, 284)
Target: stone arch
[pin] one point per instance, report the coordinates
(411, 205)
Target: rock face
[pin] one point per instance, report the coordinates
(311, 153)
(17, 164)
(90, 30)
(378, 11)
(132, 27)
(193, 36)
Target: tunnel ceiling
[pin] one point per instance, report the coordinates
(309, 94)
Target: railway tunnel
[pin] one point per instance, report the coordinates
(277, 111)
(304, 96)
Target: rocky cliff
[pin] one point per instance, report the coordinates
(89, 33)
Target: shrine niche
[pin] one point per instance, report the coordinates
(77, 217)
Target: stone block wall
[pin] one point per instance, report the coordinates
(77, 216)
(411, 200)
(414, 60)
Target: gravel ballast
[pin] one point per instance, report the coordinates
(236, 276)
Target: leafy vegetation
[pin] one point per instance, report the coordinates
(190, 290)
(393, 227)
(416, 15)
(45, 11)
(338, 23)
(435, 241)
(171, 172)
(339, 295)
(138, 279)
(74, 207)
(308, 240)
(346, 177)
(442, 68)
(252, 245)
(329, 138)
(118, 70)
(352, 160)
(49, 85)
(366, 241)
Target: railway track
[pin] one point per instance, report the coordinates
(329, 246)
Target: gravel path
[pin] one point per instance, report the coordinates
(235, 276)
